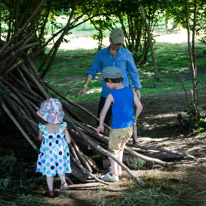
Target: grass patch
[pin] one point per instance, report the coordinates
(136, 163)
(67, 73)
(19, 185)
(137, 195)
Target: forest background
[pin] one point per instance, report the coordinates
(41, 32)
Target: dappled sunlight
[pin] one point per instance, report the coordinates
(76, 41)
(161, 116)
(96, 90)
(80, 42)
(179, 37)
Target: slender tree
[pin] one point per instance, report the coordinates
(156, 72)
(191, 51)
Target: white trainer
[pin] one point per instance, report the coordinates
(109, 178)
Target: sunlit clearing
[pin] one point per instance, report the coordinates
(179, 37)
(96, 90)
(87, 42)
(162, 116)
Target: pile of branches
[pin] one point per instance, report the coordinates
(21, 92)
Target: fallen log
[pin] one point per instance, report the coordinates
(161, 153)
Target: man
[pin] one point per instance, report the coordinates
(114, 55)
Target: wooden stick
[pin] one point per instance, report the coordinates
(12, 68)
(143, 157)
(18, 125)
(104, 139)
(91, 162)
(89, 173)
(82, 159)
(37, 83)
(23, 78)
(66, 107)
(105, 152)
(162, 150)
(21, 97)
(75, 104)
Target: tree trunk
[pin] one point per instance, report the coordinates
(191, 52)
(156, 72)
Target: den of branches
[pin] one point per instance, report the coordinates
(22, 85)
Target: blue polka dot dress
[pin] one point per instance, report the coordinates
(54, 155)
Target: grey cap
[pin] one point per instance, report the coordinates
(117, 36)
(110, 72)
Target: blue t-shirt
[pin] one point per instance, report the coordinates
(123, 60)
(122, 109)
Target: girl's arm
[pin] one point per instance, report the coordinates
(67, 136)
(108, 102)
(138, 105)
(40, 135)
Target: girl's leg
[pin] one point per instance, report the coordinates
(62, 178)
(63, 184)
(50, 181)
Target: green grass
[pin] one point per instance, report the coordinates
(137, 195)
(67, 73)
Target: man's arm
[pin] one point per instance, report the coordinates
(103, 113)
(138, 93)
(138, 105)
(134, 75)
(84, 88)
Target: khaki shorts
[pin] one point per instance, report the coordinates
(118, 138)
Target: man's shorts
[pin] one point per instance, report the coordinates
(118, 138)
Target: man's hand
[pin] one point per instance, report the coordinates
(100, 129)
(82, 91)
(138, 93)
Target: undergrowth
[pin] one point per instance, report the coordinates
(18, 184)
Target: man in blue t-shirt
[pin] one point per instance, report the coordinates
(121, 99)
(114, 55)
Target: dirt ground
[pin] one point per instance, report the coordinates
(157, 127)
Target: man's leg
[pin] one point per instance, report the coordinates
(109, 113)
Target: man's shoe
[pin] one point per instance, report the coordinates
(109, 178)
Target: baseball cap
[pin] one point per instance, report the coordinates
(110, 72)
(117, 36)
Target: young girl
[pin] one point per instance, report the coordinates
(54, 155)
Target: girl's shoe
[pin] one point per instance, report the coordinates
(64, 186)
(51, 194)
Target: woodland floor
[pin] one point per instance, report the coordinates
(157, 127)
